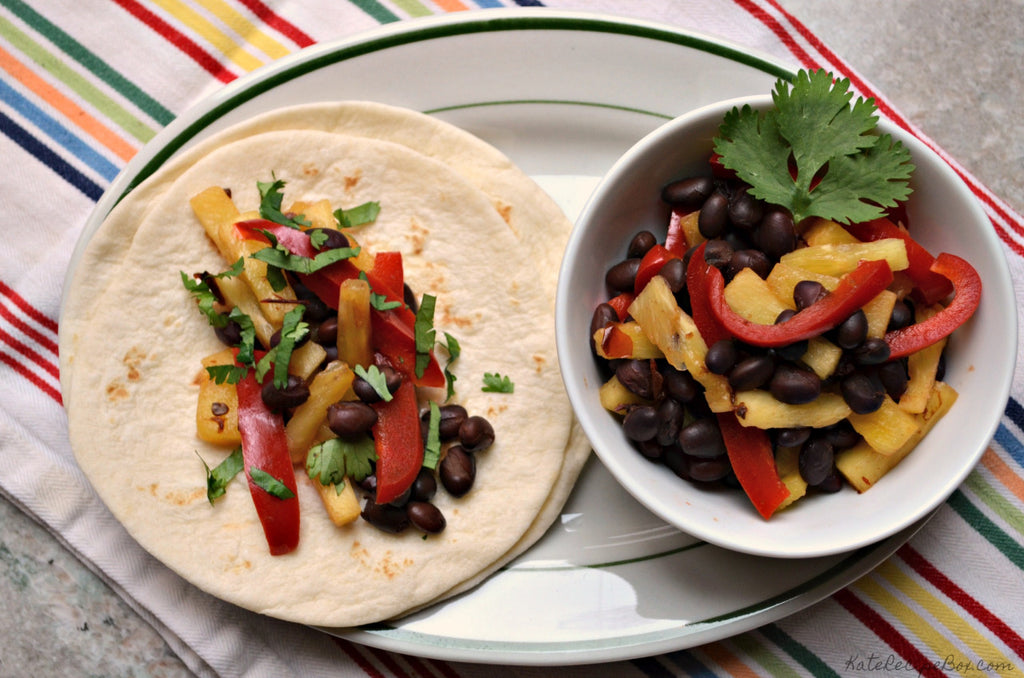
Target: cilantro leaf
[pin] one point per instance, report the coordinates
(227, 374)
(495, 383)
(381, 303)
(815, 153)
(425, 333)
(332, 460)
(247, 346)
(375, 378)
(203, 288)
(271, 197)
(432, 446)
(270, 484)
(217, 478)
(293, 330)
(358, 215)
(454, 351)
(279, 257)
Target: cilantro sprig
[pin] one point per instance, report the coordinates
(271, 197)
(334, 459)
(496, 383)
(815, 153)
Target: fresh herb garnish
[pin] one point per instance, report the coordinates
(381, 303)
(271, 197)
(814, 153)
(332, 460)
(227, 374)
(432, 446)
(425, 333)
(247, 345)
(279, 257)
(358, 215)
(496, 383)
(217, 478)
(454, 350)
(293, 330)
(270, 484)
(200, 286)
(375, 378)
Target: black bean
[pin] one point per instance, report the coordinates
(333, 238)
(714, 216)
(902, 315)
(851, 332)
(640, 423)
(841, 435)
(368, 484)
(793, 351)
(641, 243)
(709, 470)
(651, 449)
(677, 461)
(639, 377)
(670, 420)
(426, 517)
(777, 234)
(832, 483)
(718, 253)
(894, 378)
(275, 339)
(425, 486)
(327, 331)
(402, 499)
(721, 356)
(350, 418)
(745, 211)
(622, 276)
(816, 460)
(280, 399)
(873, 351)
(863, 394)
(752, 372)
(794, 385)
(688, 194)
(680, 386)
(409, 297)
(702, 438)
(476, 434)
(457, 471)
(604, 315)
(792, 437)
(230, 334)
(807, 292)
(674, 273)
(368, 394)
(385, 517)
(755, 260)
(451, 418)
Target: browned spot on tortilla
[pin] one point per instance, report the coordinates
(505, 210)
(541, 362)
(493, 411)
(133, 360)
(185, 497)
(116, 391)
(352, 181)
(417, 236)
(310, 170)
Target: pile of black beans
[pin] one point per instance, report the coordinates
(461, 434)
(676, 427)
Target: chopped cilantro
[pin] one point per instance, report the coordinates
(495, 383)
(217, 479)
(424, 331)
(202, 288)
(247, 346)
(375, 378)
(227, 374)
(432, 446)
(272, 485)
(271, 197)
(816, 154)
(358, 215)
(454, 351)
(277, 256)
(332, 460)
(381, 303)
(293, 330)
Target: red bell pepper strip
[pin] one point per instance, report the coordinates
(753, 462)
(615, 343)
(399, 443)
(698, 277)
(967, 296)
(396, 340)
(265, 447)
(650, 265)
(855, 289)
(930, 287)
(621, 303)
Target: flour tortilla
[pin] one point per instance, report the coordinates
(131, 391)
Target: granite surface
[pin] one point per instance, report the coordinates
(951, 66)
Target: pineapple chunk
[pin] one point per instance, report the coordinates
(217, 404)
(238, 294)
(879, 312)
(822, 356)
(307, 359)
(342, 505)
(625, 340)
(826, 232)
(688, 225)
(760, 408)
(327, 388)
(887, 429)
(615, 397)
(922, 366)
(354, 323)
(784, 277)
(213, 207)
(863, 467)
(837, 260)
(752, 298)
(786, 459)
(676, 335)
(319, 214)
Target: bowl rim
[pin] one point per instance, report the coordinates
(618, 465)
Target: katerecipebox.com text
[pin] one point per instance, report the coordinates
(891, 664)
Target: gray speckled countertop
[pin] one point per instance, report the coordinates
(951, 66)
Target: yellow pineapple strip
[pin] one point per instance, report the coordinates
(342, 507)
(217, 404)
(615, 397)
(354, 323)
(643, 348)
(887, 429)
(761, 409)
(922, 366)
(789, 473)
(837, 260)
(326, 388)
(826, 232)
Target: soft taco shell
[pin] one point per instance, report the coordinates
(133, 345)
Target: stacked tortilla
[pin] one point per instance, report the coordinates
(474, 230)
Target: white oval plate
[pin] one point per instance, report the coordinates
(563, 95)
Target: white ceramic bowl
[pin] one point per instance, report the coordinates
(944, 216)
